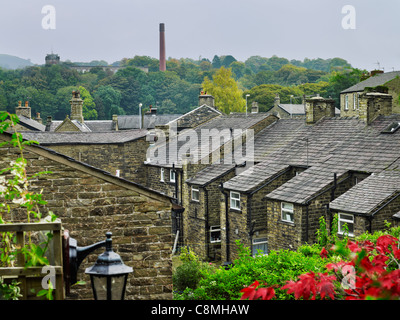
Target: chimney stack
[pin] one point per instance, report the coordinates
(76, 106)
(23, 111)
(317, 107)
(207, 99)
(162, 47)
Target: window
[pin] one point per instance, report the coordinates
(287, 212)
(235, 200)
(195, 194)
(162, 174)
(171, 175)
(354, 101)
(215, 234)
(260, 246)
(347, 219)
(346, 102)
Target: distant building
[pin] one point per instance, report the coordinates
(377, 82)
(52, 58)
(291, 110)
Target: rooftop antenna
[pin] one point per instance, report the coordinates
(378, 64)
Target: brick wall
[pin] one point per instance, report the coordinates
(90, 203)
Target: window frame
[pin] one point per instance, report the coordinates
(290, 211)
(162, 175)
(264, 241)
(172, 173)
(234, 199)
(214, 229)
(346, 102)
(348, 221)
(198, 192)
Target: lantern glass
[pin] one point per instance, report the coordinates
(111, 285)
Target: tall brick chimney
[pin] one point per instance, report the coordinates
(162, 47)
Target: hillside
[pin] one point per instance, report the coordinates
(12, 62)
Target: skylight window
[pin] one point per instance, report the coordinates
(393, 127)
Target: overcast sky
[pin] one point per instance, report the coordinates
(88, 30)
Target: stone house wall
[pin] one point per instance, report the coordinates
(90, 202)
(126, 157)
(286, 235)
(202, 215)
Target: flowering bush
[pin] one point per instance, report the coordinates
(371, 271)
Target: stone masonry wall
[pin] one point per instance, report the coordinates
(89, 206)
(127, 157)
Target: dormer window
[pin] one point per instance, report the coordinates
(346, 102)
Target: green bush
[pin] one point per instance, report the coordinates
(274, 269)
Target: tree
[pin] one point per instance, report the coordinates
(89, 107)
(224, 88)
(108, 99)
(216, 62)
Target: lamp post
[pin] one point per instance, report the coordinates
(247, 95)
(109, 274)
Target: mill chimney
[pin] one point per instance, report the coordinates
(162, 47)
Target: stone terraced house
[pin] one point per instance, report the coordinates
(322, 165)
(90, 202)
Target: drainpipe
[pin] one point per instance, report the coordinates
(206, 223)
(250, 225)
(221, 188)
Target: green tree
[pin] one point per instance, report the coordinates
(108, 99)
(216, 62)
(224, 88)
(89, 107)
(265, 95)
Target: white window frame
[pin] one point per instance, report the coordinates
(345, 218)
(358, 101)
(198, 193)
(258, 241)
(346, 102)
(234, 201)
(354, 101)
(214, 229)
(162, 174)
(287, 211)
(172, 175)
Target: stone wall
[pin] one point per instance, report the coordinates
(286, 235)
(126, 157)
(90, 203)
(366, 105)
(201, 215)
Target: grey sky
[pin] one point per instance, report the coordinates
(295, 29)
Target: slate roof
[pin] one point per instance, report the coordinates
(369, 194)
(298, 109)
(210, 173)
(377, 80)
(190, 140)
(255, 176)
(31, 124)
(59, 138)
(126, 122)
(332, 145)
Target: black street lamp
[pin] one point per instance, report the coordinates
(109, 274)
